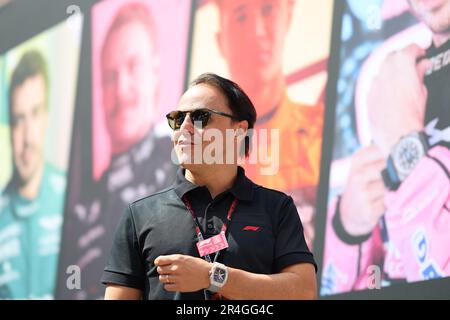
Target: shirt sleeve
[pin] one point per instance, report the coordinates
(290, 244)
(125, 266)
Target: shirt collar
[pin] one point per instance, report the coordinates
(242, 188)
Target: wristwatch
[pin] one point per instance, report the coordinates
(218, 276)
(403, 158)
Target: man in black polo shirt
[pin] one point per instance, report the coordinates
(159, 241)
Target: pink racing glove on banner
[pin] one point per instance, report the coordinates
(346, 265)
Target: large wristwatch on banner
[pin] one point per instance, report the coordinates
(218, 276)
(403, 158)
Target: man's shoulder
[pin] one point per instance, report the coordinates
(271, 203)
(269, 194)
(158, 198)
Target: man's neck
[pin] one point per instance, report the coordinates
(216, 178)
(30, 190)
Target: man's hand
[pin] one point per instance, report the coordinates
(183, 273)
(397, 98)
(362, 203)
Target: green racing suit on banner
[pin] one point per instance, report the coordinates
(30, 235)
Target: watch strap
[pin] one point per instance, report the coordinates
(213, 288)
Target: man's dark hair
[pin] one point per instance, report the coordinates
(31, 64)
(239, 103)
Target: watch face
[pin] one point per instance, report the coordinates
(219, 275)
(407, 154)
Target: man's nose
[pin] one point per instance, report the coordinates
(123, 85)
(187, 124)
(260, 27)
(28, 132)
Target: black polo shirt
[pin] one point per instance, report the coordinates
(264, 236)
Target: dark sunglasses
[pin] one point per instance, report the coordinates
(203, 115)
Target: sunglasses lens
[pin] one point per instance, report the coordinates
(200, 117)
(175, 119)
(171, 123)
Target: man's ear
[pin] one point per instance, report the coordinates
(241, 136)
(242, 127)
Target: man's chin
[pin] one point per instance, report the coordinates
(25, 176)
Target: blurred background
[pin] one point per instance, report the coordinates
(85, 85)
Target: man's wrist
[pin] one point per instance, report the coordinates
(218, 276)
(205, 278)
(341, 231)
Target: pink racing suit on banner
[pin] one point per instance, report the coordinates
(418, 218)
(417, 233)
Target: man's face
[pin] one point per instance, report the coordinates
(190, 139)
(251, 37)
(129, 84)
(434, 13)
(28, 126)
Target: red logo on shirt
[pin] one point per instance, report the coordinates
(251, 228)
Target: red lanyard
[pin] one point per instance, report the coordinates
(198, 230)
